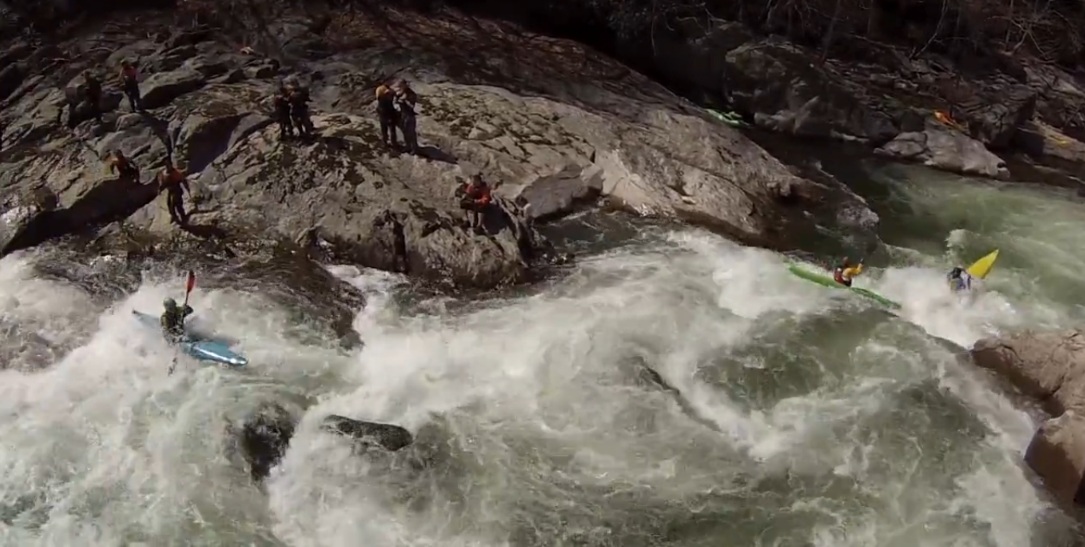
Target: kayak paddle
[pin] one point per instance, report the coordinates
(189, 284)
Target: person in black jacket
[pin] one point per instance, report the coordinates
(93, 94)
(299, 110)
(406, 103)
(387, 115)
(281, 100)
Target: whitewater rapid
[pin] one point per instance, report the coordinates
(805, 415)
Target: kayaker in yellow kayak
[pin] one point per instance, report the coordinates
(844, 272)
(959, 279)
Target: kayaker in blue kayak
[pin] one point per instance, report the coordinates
(173, 320)
(959, 279)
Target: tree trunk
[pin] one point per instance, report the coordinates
(828, 42)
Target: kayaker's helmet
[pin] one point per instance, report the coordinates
(956, 272)
(170, 304)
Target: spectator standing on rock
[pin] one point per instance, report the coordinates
(282, 113)
(475, 198)
(406, 101)
(93, 93)
(123, 167)
(129, 79)
(175, 183)
(387, 115)
(299, 110)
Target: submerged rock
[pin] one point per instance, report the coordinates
(387, 436)
(264, 437)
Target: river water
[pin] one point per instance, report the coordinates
(805, 417)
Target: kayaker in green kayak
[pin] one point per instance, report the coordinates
(844, 272)
(173, 319)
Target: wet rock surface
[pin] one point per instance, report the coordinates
(386, 436)
(1049, 367)
(1057, 454)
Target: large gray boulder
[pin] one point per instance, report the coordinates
(1057, 454)
(1050, 368)
(944, 148)
(1047, 366)
(785, 90)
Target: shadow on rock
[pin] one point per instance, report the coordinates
(160, 128)
(205, 231)
(436, 154)
(369, 434)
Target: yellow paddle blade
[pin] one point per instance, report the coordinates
(980, 268)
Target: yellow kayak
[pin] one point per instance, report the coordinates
(980, 268)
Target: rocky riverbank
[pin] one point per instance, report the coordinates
(554, 124)
(955, 86)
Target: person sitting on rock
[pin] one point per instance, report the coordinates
(387, 115)
(406, 101)
(475, 198)
(129, 79)
(175, 183)
(93, 93)
(123, 167)
(844, 272)
(281, 102)
(299, 110)
(173, 320)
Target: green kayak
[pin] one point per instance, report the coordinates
(729, 118)
(829, 282)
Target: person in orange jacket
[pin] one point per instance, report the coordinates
(175, 183)
(475, 199)
(123, 166)
(844, 272)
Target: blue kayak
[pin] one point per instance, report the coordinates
(202, 349)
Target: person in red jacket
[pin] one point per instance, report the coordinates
(475, 199)
(175, 183)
